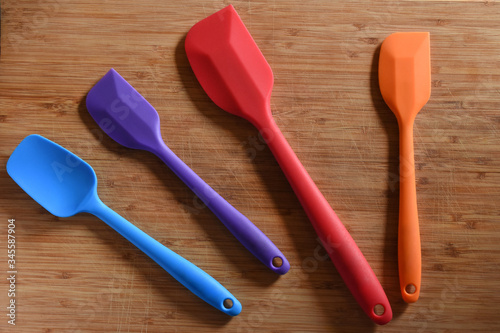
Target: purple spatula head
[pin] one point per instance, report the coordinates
(113, 102)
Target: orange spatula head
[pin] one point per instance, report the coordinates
(405, 73)
(405, 83)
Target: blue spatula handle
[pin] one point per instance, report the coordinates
(241, 227)
(195, 279)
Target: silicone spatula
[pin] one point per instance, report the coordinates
(66, 185)
(405, 82)
(237, 77)
(132, 122)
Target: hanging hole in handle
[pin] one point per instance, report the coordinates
(410, 289)
(228, 303)
(379, 309)
(277, 262)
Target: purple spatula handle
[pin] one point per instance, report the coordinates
(240, 226)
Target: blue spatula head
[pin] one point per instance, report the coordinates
(56, 178)
(123, 113)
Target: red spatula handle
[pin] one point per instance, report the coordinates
(343, 251)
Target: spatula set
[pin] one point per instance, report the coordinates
(234, 73)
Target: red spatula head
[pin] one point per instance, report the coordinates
(229, 65)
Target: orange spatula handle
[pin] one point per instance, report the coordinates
(343, 251)
(409, 257)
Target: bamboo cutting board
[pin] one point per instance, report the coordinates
(78, 275)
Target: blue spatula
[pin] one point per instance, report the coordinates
(66, 185)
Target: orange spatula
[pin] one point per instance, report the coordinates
(405, 82)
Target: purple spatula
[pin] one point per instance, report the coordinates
(132, 122)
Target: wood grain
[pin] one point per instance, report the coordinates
(78, 275)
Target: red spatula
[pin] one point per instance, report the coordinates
(237, 77)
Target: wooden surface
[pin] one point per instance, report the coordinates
(78, 275)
